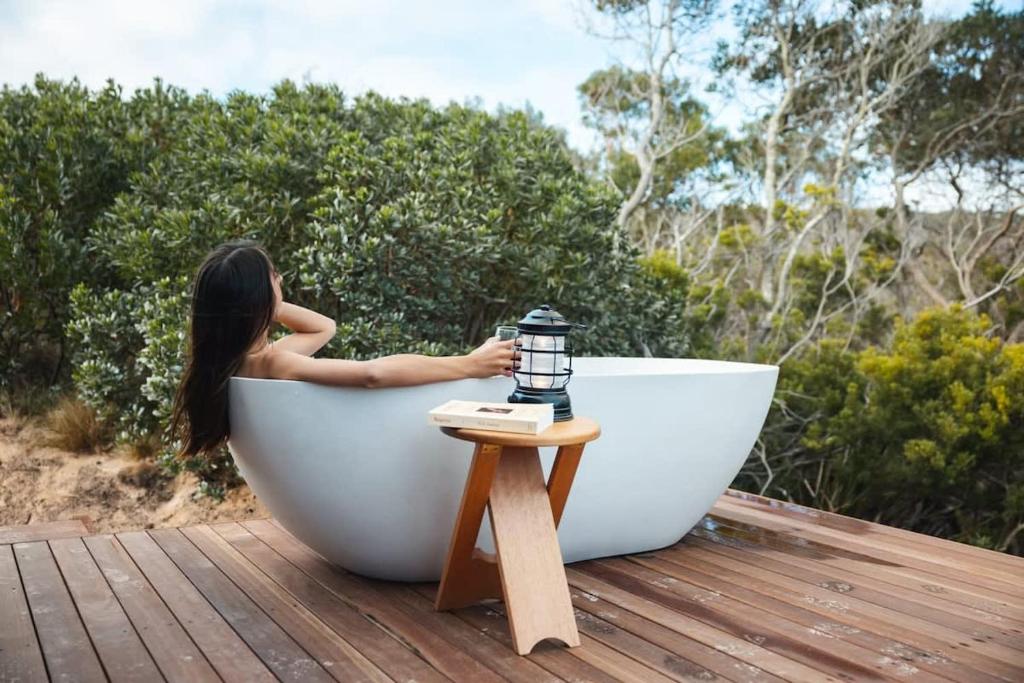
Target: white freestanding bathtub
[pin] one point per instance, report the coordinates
(360, 477)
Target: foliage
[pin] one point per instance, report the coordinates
(965, 108)
(419, 228)
(416, 228)
(927, 434)
(65, 153)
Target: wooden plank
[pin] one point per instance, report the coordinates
(21, 658)
(934, 544)
(42, 531)
(65, 644)
(282, 655)
(563, 472)
(171, 648)
(932, 563)
(598, 634)
(468, 576)
(121, 652)
(362, 594)
(714, 662)
(592, 662)
(666, 662)
(391, 655)
(226, 651)
(334, 653)
(920, 655)
(529, 559)
(843, 606)
(742, 648)
(790, 551)
(794, 548)
(608, 659)
(557, 660)
(873, 592)
(831, 657)
(472, 641)
(924, 572)
(996, 565)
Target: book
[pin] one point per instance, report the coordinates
(521, 418)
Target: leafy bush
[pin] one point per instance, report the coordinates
(65, 153)
(927, 435)
(416, 228)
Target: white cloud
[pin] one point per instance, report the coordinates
(503, 52)
(508, 52)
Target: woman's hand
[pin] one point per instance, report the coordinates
(494, 357)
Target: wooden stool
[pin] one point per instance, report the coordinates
(527, 571)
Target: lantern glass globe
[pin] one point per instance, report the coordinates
(550, 360)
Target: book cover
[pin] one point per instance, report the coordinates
(521, 418)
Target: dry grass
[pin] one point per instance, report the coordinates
(75, 426)
(146, 448)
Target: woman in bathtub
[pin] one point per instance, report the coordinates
(236, 299)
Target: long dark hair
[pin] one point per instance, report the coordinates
(232, 308)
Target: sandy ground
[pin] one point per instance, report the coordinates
(113, 490)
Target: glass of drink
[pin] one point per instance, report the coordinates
(506, 332)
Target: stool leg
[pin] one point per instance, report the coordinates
(469, 575)
(529, 560)
(563, 471)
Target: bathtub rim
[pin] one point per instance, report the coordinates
(687, 366)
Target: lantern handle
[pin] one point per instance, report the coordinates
(569, 322)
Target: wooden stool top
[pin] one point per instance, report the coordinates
(575, 431)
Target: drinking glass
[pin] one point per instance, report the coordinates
(506, 332)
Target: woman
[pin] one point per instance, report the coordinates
(236, 298)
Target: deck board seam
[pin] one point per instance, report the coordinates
(935, 619)
(377, 624)
(893, 532)
(868, 629)
(71, 599)
(625, 653)
(247, 597)
(853, 566)
(890, 579)
(711, 628)
(908, 556)
(537, 657)
(582, 566)
(160, 597)
(740, 602)
(655, 625)
(247, 562)
(776, 634)
(31, 615)
(925, 573)
(78, 611)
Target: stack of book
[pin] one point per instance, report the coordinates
(521, 418)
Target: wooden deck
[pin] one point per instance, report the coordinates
(759, 591)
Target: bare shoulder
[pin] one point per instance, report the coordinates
(276, 363)
(271, 363)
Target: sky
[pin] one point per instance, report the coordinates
(503, 51)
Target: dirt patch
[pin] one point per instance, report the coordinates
(117, 492)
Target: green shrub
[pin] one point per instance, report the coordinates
(927, 434)
(416, 228)
(65, 153)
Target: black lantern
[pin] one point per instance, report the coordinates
(546, 364)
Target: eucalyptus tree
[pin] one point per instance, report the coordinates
(959, 132)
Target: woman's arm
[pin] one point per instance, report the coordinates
(311, 329)
(492, 358)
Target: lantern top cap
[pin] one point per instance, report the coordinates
(545, 320)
